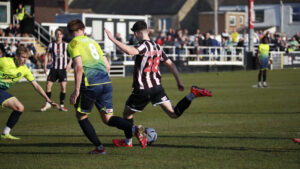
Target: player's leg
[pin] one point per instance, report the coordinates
(265, 78)
(17, 107)
(63, 86)
(160, 98)
(62, 96)
(50, 80)
(83, 106)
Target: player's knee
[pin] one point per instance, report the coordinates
(81, 116)
(19, 108)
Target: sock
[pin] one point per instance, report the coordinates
(264, 76)
(259, 76)
(6, 130)
(13, 119)
(100, 147)
(62, 97)
(122, 124)
(181, 106)
(130, 121)
(128, 141)
(48, 94)
(89, 131)
(190, 96)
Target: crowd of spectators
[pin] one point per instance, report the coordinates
(171, 38)
(11, 38)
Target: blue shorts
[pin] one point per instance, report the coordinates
(264, 63)
(100, 95)
(4, 96)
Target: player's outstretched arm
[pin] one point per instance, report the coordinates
(78, 71)
(40, 90)
(174, 70)
(107, 64)
(129, 50)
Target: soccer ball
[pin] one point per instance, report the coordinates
(151, 135)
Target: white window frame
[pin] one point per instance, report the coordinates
(7, 4)
(292, 13)
(241, 20)
(234, 19)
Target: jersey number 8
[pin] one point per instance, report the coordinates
(94, 51)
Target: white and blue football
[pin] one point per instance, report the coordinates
(151, 135)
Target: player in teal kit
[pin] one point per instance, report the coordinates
(11, 71)
(93, 86)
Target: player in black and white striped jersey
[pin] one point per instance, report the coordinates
(147, 79)
(59, 67)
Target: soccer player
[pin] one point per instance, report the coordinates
(93, 86)
(11, 71)
(59, 68)
(147, 79)
(263, 60)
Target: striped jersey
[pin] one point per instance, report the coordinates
(146, 72)
(59, 56)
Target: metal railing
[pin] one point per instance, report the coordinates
(200, 55)
(42, 34)
(22, 40)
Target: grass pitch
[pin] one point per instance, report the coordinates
(239, 127)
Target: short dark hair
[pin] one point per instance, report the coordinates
(60, 30)
(75, 25)
(138, 26)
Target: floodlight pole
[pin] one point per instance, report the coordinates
(251, 25)
(216, 16)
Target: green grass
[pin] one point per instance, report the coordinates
(239, 127)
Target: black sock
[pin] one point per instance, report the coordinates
(62, 97)
(122, 124)
(13, 119)
(89, 131)
(48, 94)
(181, 106)
(264, 75)
(130, 121)
(259, 76)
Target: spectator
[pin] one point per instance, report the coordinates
(297, 36)
(1, 53)
(13, 48)
(7, 50)
(293, 46)
(225, 34)
(20, 14)
(234, 36)
(18, 30)
(10, 30)
(119, 52)
(34, 56)
(206, 42)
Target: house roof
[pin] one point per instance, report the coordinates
(259, 2)
(130, 7)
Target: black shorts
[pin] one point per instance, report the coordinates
(139, 99)
(60, 74)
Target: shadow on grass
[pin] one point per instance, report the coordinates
(272, 150)
(249, 113)
(169, 136)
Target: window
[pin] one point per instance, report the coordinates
(241, 20)
(296, 14)
(232, 20)
(259, 16)
(4, 12)
(164, 24)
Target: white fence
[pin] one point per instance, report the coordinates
(39, 74)
(198, 55)
(22, 40)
